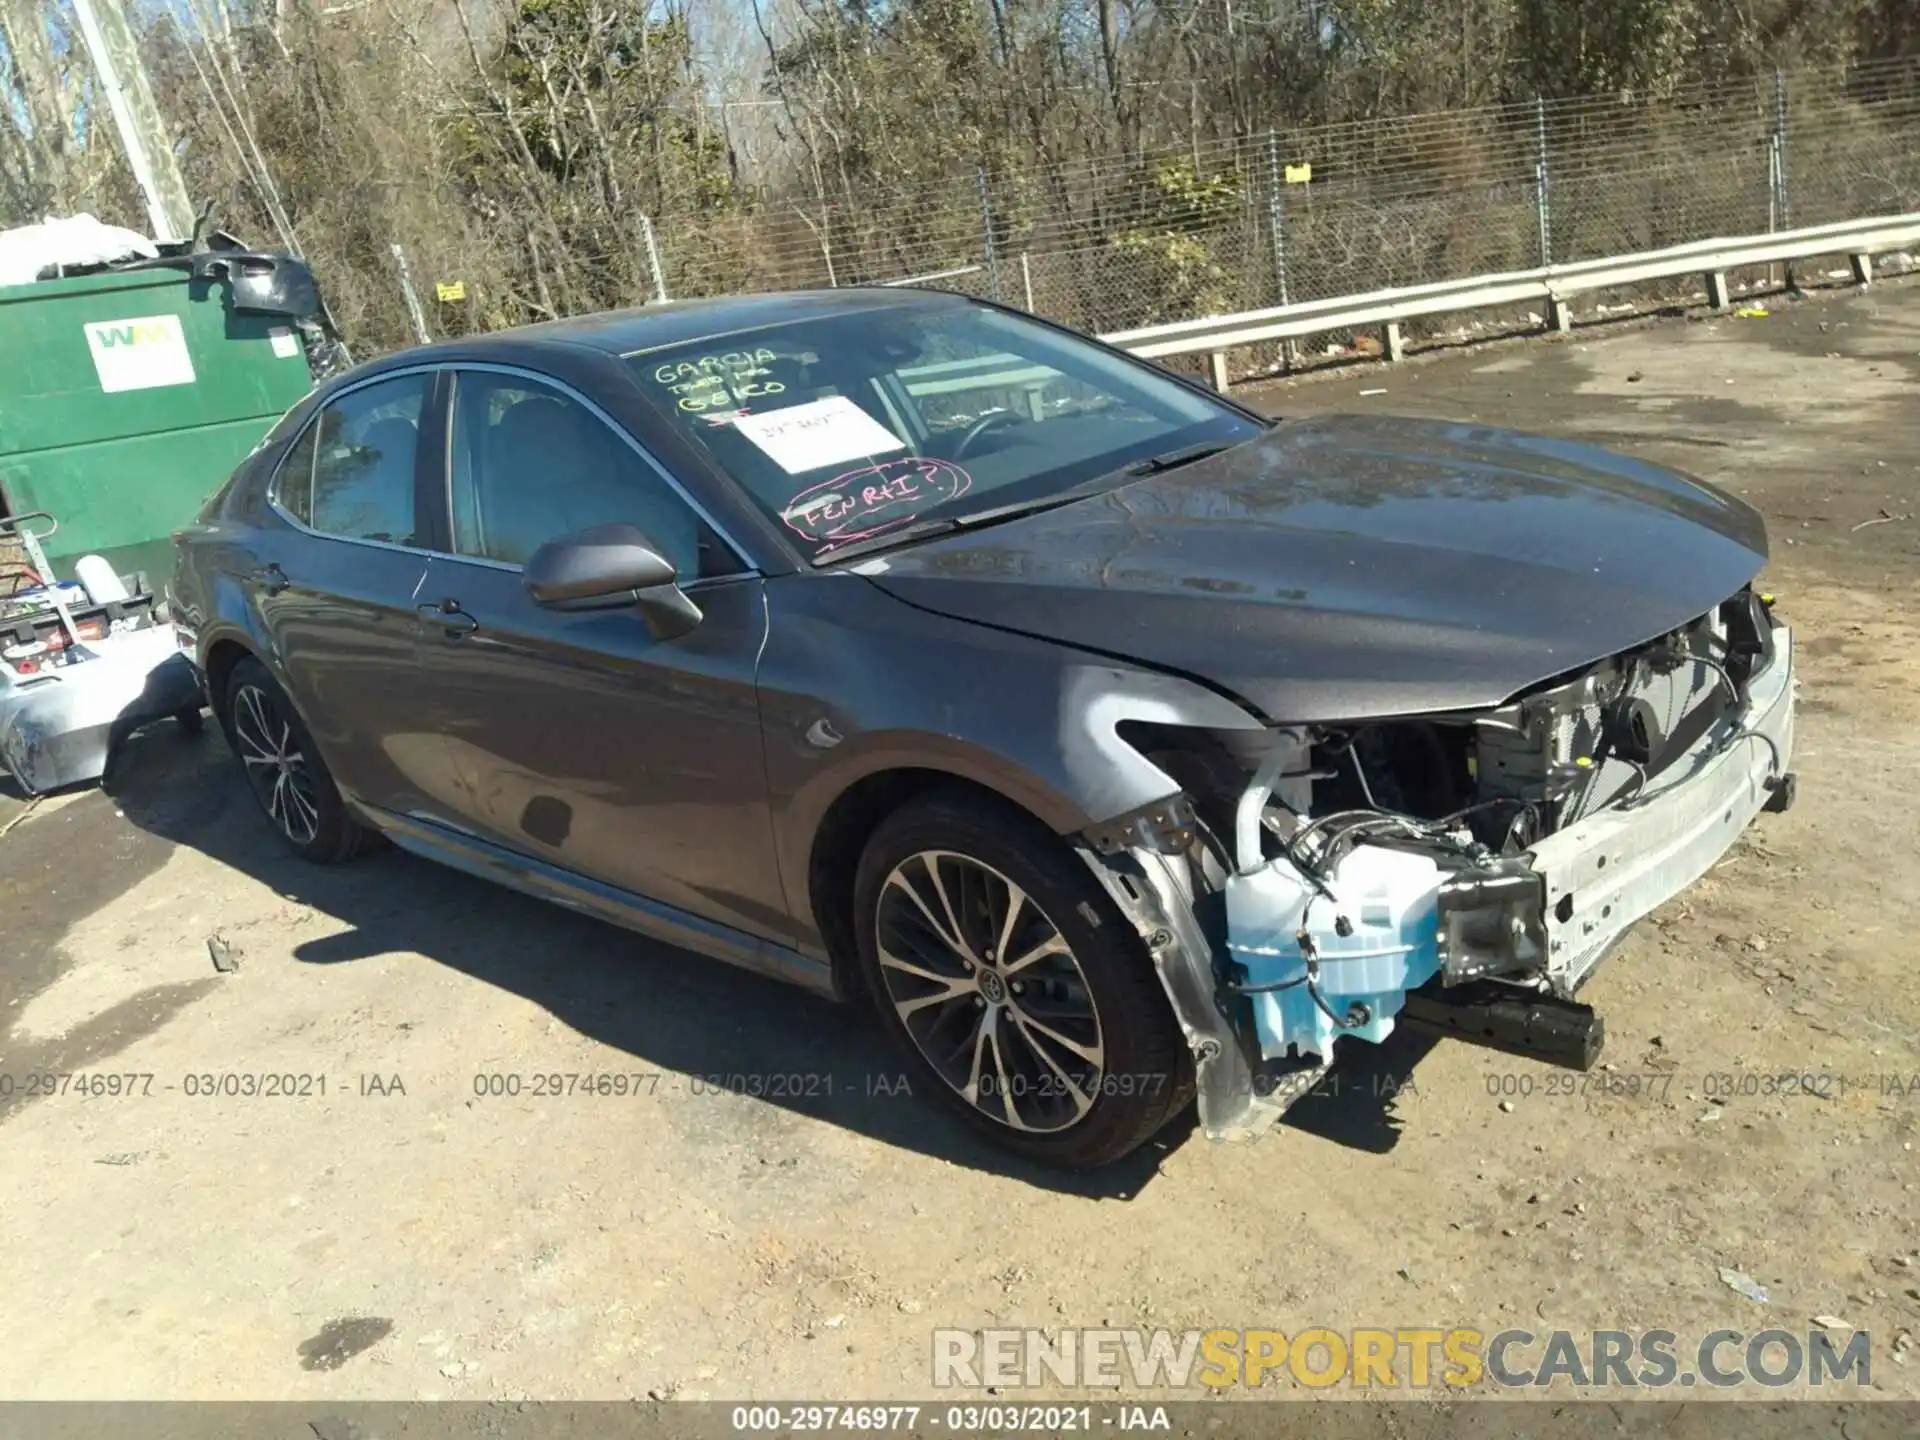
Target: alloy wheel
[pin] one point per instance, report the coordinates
(275, 765)
(989, 991)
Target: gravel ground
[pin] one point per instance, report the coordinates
(401, 1236)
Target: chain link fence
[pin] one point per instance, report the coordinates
(1302, 214)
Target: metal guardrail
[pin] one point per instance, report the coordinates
(1215, 335)
(949, 377)
(932, 275)
(1556, 285)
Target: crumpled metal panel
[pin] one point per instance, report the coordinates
(1236, 1099)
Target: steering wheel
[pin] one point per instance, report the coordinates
(993, 420)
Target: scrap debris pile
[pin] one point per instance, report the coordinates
(83, 663)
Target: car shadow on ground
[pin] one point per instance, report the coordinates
(1357, 1105)
(671, 1010)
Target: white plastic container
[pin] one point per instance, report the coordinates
(1390, 899)
(102, 581)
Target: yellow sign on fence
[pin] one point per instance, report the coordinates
(448, 294)
(1299, 174)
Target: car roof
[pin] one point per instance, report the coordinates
(674, 322)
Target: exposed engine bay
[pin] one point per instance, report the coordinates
(1462, 872)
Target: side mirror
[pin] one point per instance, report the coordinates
(610, 567)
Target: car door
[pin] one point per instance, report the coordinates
(336, 590)
(579, 738)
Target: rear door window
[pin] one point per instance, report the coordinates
(352, 473)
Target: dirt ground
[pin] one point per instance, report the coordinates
(402, 1236)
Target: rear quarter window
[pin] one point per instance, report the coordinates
(243, 494)
(293, 483)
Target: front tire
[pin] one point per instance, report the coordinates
(1022, 999)
(284, 769)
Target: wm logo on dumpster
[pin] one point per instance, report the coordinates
(140, 353)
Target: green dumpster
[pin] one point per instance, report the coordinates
(126, 398)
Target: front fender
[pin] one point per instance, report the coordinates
(854, 682)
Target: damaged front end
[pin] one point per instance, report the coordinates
(1461, 873)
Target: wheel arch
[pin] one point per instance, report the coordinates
(222, 656)
(841, 836)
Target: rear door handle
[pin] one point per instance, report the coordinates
(449, 617)
(273, 579)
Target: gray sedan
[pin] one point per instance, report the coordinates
(1119, 746)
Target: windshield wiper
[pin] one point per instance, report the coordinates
(1098, 484)
(945, 525)
(1174, 459)
(919, 530)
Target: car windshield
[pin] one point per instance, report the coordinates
(848, 427)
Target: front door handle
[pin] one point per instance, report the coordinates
(449, 617)
(273, 579)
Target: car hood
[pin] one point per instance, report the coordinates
(1347, 567)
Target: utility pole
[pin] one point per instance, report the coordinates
(653, 260)
(123, 76)
(414, 312)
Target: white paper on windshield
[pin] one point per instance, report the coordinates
(821, 432)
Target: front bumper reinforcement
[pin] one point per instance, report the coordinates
(1612, 869)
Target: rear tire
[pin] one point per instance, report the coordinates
(284, 769)
(1021, 998)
